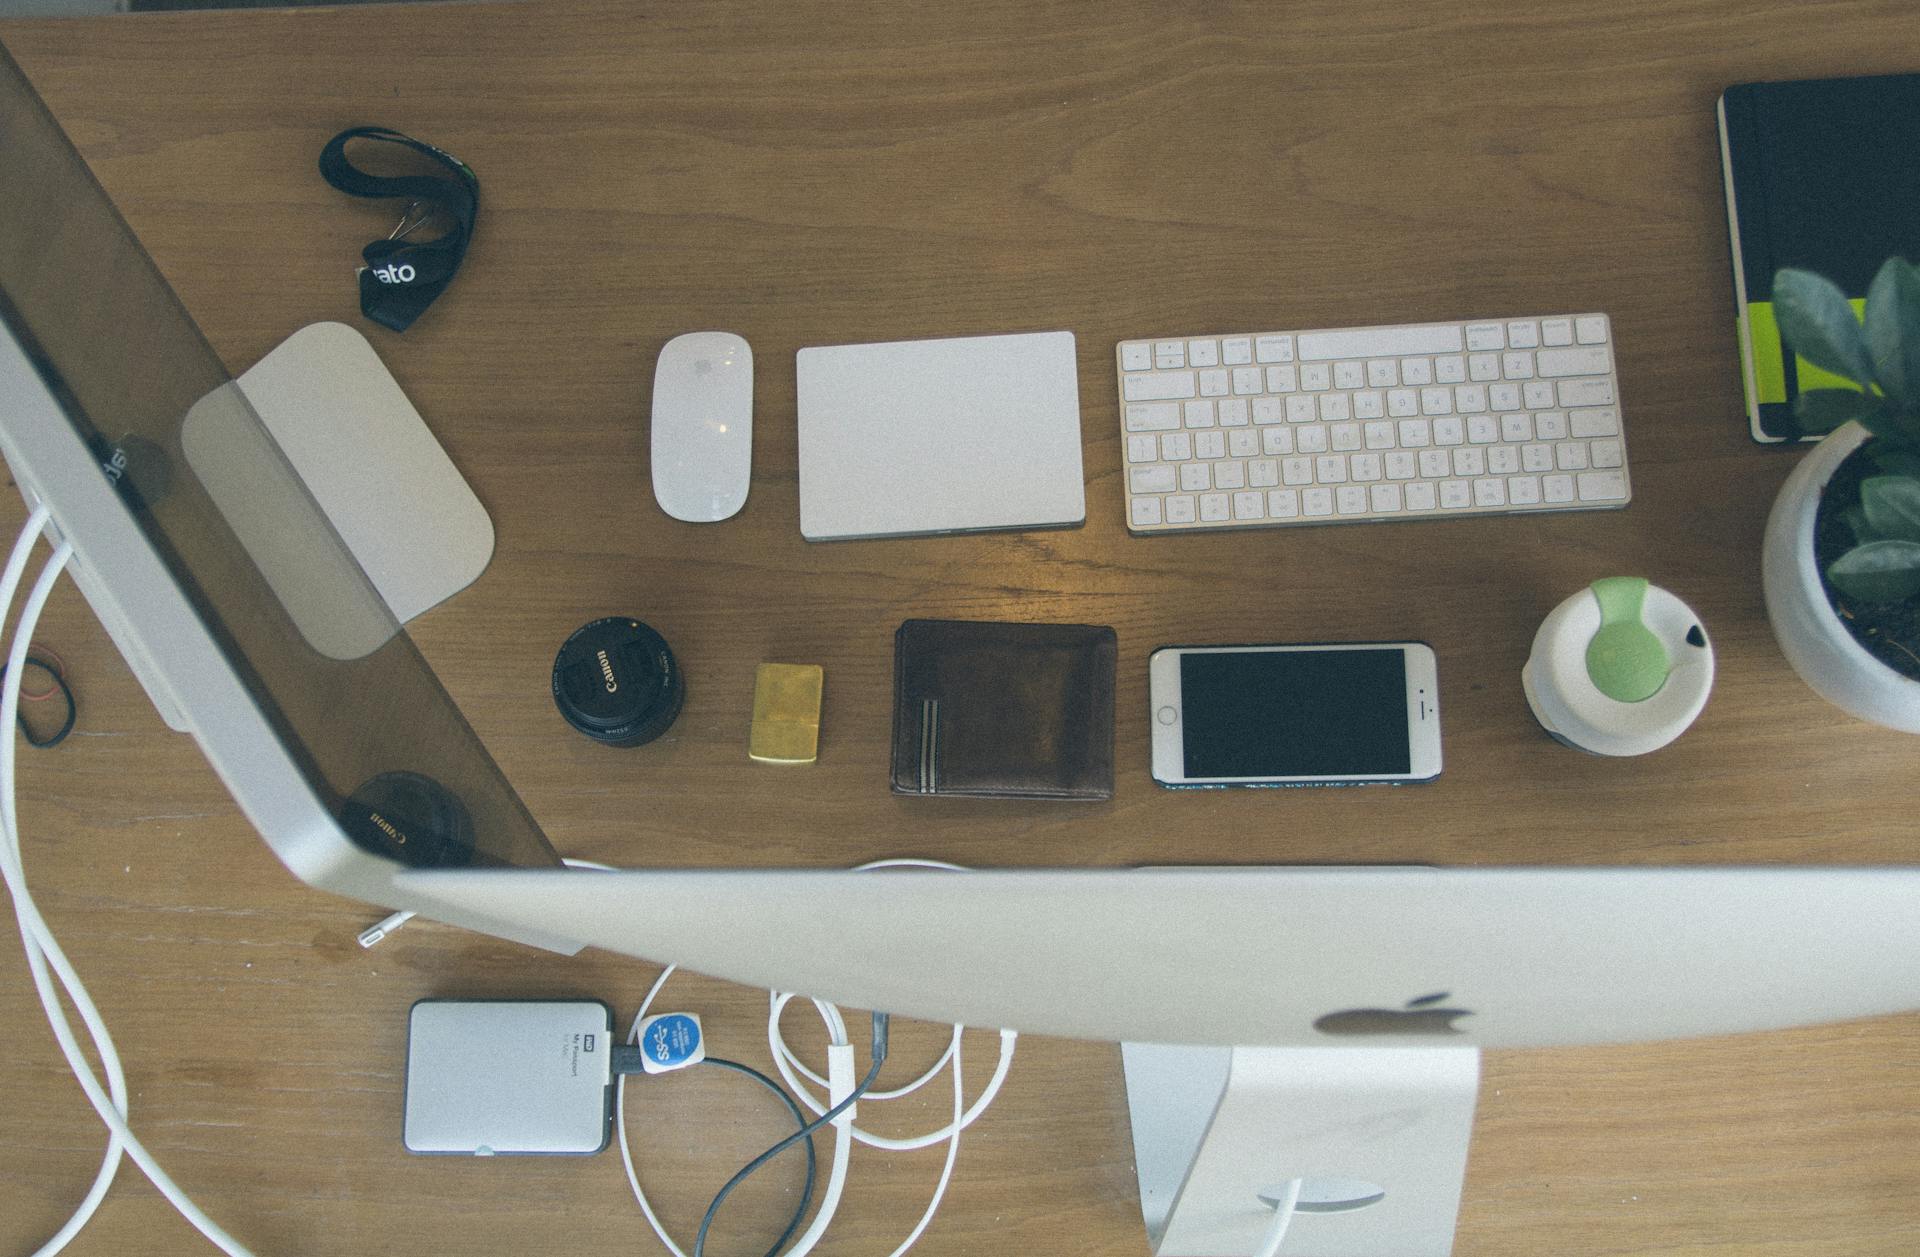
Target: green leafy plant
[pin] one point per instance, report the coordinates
(1882, 357)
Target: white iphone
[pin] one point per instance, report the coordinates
(1332, 714)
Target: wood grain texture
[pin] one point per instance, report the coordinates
(816, 173)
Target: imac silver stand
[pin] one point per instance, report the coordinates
(373, 468)
(1377, 1134)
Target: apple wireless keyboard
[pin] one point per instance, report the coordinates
(1417, 421)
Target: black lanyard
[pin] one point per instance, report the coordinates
(402, 278)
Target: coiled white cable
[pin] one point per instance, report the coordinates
(792, 1070)
(42, 948)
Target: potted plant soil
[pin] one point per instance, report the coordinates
(1841, 557)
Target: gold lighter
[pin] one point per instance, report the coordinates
(786, 713)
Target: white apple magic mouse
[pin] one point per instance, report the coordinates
(703, 426)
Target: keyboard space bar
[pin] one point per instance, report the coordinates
(1380, 342)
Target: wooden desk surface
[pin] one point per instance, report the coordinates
(816, 173)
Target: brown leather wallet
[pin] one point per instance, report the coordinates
(993, 710)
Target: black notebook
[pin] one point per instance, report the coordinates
(1824, 175)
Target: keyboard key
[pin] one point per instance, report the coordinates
(1246, 381)
(1142, 448)
(1523, 490)
(1419, 496)
(1486, 336)
(1416, 370)
(1369, 404)
(1236, 352)
(1602, 486)
(1196, 476)
(1300, 408)
(1519, 366)
(1267, 410)
(1505, 396)
(1450, 369)
(1401, 465)
(1203, 353)
(1231, 474)
(1330, 469)
(1213, 382)
(1312, 439)
(1383, 372)
(1215, 508)
(1316, 501)
(1556, 332)
(1350, 499)
(1210, 444)
(1435, 463)
(1606, 453)
(1349, 375)
(1180, 508)
(1436, 401)
(1148, 388)
(1455, 494)
(1364, 468)
(1335, 407)
(1297, 470)
(1491, 491)
(1402, 401)
(1416, 433)
(1198, 413)
(1380, 342)
(1282, 380)
(1170, 353)
(1243, 443)
(1550, 425)
(1263, 473)
(1249, 505)
(1536, 457)
(1278, 441)
(1176, 447)
(1587, 392)
(1572, 456)
(1516, 427)
(1483, 367)
(1152, 416)
(1283, 503)
(1145, 511)
(1590, 330)
(1482, 429)
(1469, 460)
(1316, 376)
(1136, 356)
(1523, 335)
(1274, 349)
(1556, 489)
(1536, 394)
(1451, 430)
(1503, 460)
(1158, 478)
(1592, 423)
(1558, 362)
(1233, 413)
(1379, 435)
(1345, 436)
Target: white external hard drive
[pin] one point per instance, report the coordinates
(499, 1077)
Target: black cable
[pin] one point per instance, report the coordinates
(800, 1119)
(805, 1132)
(66, 691)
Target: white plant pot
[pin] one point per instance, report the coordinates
(1811, 636)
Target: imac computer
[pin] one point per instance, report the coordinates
(1312, 1024)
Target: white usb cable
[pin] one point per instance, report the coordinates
(43, 950)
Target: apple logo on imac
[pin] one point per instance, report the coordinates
(1423, 1016)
